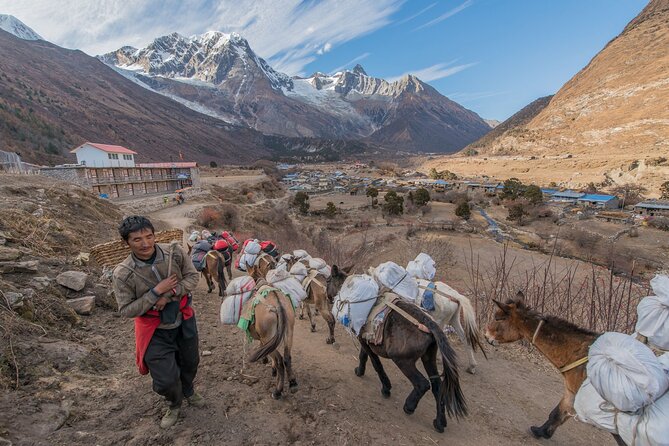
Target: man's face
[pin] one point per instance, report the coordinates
(142, 243)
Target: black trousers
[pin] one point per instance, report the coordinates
(172, 358)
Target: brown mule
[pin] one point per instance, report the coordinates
(318, 296)
(214, 266)
(404, 343)
(273, 326)
(564, 344)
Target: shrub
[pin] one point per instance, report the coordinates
(209, 217)
(533, 194)
(516, 213)
(421, 197)
(394, 204)
(463, 211)
(513, 188)
(661, 223)
(301, 202)
(664, 190)
(213, 164)
(330, 210)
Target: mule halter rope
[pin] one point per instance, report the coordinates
(562, 369)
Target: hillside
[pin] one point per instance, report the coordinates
(611, 119)
(53, 99)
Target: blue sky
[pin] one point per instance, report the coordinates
(492, 56)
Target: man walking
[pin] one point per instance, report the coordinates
(153, 285)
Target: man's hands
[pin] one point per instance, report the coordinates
(160, 304)
(166, 285)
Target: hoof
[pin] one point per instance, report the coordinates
(359, 372)
(386, 394)
(438, 426)
(301, 317)
(539, 432)
(407, 410)
(292, 384)
(313, 329)
(330, 341)
(276, 395)
(471, 369)
(209, 292)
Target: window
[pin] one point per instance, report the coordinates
(113, 156)
(127, 157)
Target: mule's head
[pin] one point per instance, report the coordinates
(505, 327)
(255, 272)
(336, 279)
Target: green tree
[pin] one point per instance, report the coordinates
(394, 204)
(421, 197)
(516, 213)
(463, 210)
(664, 190)
(330, 209)
(372, 192)
(301, 202)
(513, 188)
(434, 174)
(533, 194)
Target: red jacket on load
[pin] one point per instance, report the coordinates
(232, 241)
(221, 245)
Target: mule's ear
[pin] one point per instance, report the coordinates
(502, 306)
(334, 271)
(520, 297)
(347, 269)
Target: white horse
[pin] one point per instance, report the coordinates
(449, 304)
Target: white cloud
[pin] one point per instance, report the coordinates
(427, 8)
(287, 33)
(351, 62)
(435, 72)
(446, 15)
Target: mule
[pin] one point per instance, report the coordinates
(404, 343)
(273, 326)
(318, 296)
(564, 344)
(214, 266)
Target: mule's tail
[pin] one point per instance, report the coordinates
(451, 393)
(469, 322)
(273, 344)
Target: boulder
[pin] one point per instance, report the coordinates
(7, 254)
(15, 300)
(82, 305)
(19, 267)
(74, 280)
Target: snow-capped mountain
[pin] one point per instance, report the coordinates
(220, 75)
(16, 27)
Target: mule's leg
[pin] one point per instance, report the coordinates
(322, 305)
(210, 282)
(311, 318)
(429, 360)
(378, 367)
(288, 363)
(280, 375)
(558, 415)
(420, 384)
(302, 305)
(455, 323)
(229, 267)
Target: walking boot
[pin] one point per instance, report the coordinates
(170, 418)
(196, 400)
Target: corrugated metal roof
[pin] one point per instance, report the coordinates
(653, 205)
(106, 148)
(597, 197)
(168, 165)
(568, 194)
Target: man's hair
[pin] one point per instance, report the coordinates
(134, 223)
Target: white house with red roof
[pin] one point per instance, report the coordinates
(91, 154)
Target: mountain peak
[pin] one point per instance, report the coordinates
(359, 70)
(16, 27)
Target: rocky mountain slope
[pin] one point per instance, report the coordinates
(608, 124)
(220, 75)
(16, 27)
(52, 99)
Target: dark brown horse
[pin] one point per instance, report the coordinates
(404, 343)
(273, 326)
(564, 344)
(214, 266)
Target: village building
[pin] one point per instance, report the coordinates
(599, 201)
(111, 172)
(566, 196)
(652, 208)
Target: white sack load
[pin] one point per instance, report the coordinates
(664, 362)
(194, 236)
(249, 254)
(300, 254)
(299, 271)
(591, 408)
(625, 372)
(253, 247)
(237, 292)
(354, 301)
(282, 280)
(321, 266)
(422, 267)
(653, 312)
(397, 280)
